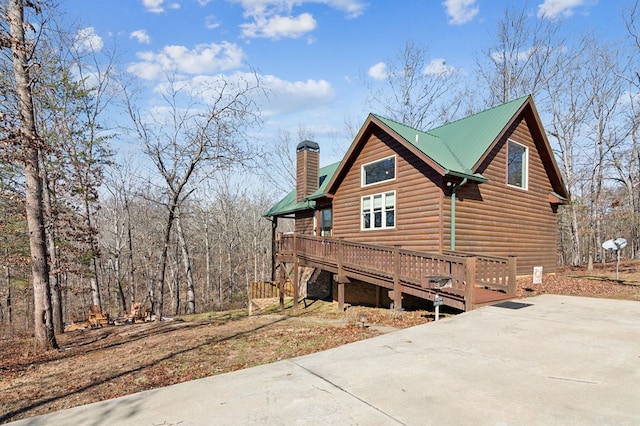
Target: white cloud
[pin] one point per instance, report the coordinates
(558, 8)
(275, 19)
(141, 36)
(353, 8)
(461, 11)
(277, 27)
(438, 67)
(526, 54)
(628, 99)
(154, 6)
(378, 71)
(294, 96)
(88, 40)
(283, 97)
(202, 59)
(523, 55)
(211, 22)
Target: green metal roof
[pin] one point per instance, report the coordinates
(326, 173)
(289, 205)
(456, 147)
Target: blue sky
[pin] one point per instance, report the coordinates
(314, 56)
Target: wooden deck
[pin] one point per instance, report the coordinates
(472, 280)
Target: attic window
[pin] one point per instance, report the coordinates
(517, 165)
(379, 171)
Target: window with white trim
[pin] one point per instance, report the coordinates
(326, 222)
(379, 211)
(517, 165)
(379, 171)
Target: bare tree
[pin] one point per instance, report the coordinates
(566, 108)
(603, 90)
(279, 167)
(417, 93)
(627, 162)
(522, 59)
(116, 231)
(191, 139)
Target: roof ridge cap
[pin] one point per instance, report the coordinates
(521, 98)
(426, 132)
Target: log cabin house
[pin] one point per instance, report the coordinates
(449, 215)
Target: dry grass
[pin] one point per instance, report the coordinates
(94, 365)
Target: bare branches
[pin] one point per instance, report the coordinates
(417, 93)
(200, 130)
(522, 59)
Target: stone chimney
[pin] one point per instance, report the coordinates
(307, 169)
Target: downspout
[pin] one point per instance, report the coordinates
(454, 188)
(274, 226)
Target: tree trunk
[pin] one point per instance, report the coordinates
(96, 299)
(575, 238)
(132, 285)
(163, 262)
(9, 307)
(95, 292)
(220, 298)
(56, 293)
(121, 297)
(188, 272)
(43, 325)
(207, 249)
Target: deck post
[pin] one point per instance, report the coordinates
(469, 282)
(397, 287)
(296, 274)
(513, 267)
(283, 277)
(274, 247)
(340, 274)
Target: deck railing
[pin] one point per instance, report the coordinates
(411, 267)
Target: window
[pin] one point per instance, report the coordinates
(379, 211)
(517, 158)
(379, 171)
(326, 222)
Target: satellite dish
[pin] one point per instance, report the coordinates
(614, 244)
(620, 242)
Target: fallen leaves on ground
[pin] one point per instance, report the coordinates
(94, 365)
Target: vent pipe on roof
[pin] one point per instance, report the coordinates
(307, 169)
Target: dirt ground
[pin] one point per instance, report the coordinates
(94, 365)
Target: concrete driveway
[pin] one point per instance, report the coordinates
(540, 361)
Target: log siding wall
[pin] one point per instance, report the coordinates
(418, 199)
(304, 223)
(492, 218)
(496, 219)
